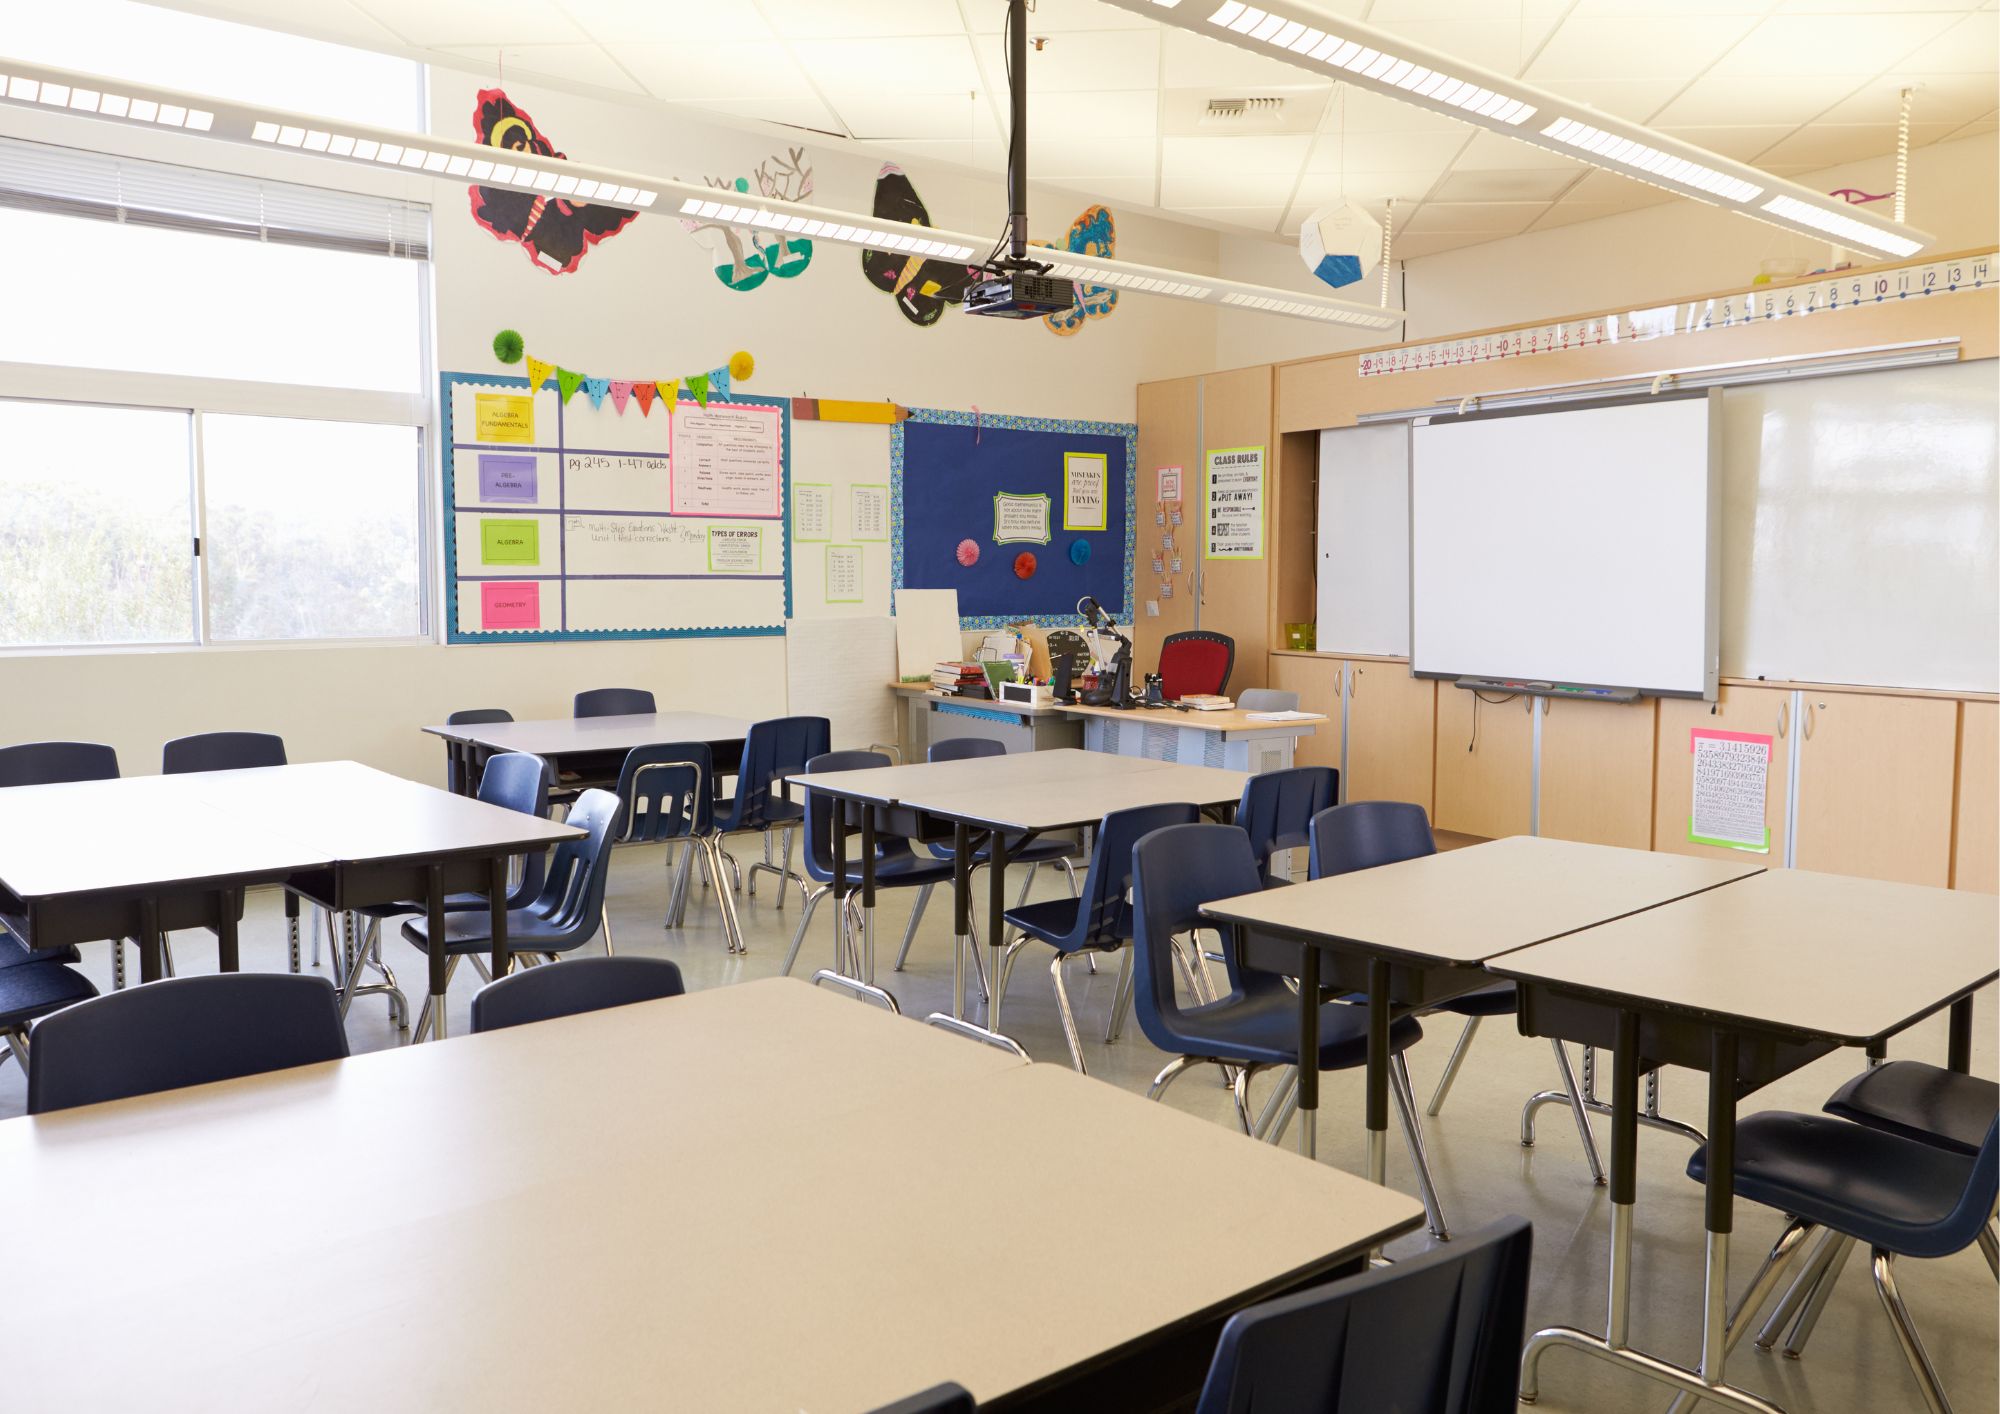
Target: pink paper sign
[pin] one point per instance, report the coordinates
(510, 606)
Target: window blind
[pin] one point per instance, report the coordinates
(75, 182)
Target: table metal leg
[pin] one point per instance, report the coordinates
(496, 884)
(292, 928)
(868, 895)
(152, 955)
(1958, 1053)
(1308, 1105)
(1378, 1070)
(440, 965)
(226, 952)
(838, 815)
(961, 913)
(996, 925)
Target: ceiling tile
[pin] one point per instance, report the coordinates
(1368, 189)
(1255, 218)
(1968, 47)
(982, 156)
(1977, 126)
(1656, 47)
(1634, 100)
(1786, 98)
(1503, 186)
(1652, 9)
(1203, 156)
(919, 64)
(1741, 144)
(1196, 61)
(1568, 213)
(681, 21)
(1827, 7)
(1081, 155)
(945, 116)
(1181, 190)
(716, 73)
(1101, 115)
(1437, 243)
(803, 111)
(1356, 110)
(1135, 191)
(1490, 218)
(1491, 152)
(574, 63)
(1057, 17)
(1830, 145)
(1619, 193)
(1490, 36)
(1081, 61)
(1386, 152)
(1820, 44)
(854, 19)
(1940, 98)
(439, 22)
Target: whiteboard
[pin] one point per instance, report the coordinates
(1861, 529)
(1364, 539)
(1578, 546)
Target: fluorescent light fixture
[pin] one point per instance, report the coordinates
(448, 159)
(1327, 45)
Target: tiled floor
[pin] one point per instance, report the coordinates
(1852, 1367)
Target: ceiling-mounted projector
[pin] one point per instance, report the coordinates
(1021, 294)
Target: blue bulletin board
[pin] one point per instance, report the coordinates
(947, 468)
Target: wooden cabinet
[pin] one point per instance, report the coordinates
(1485, 763)
(1763, 710)
(1391, 733)
(1597, 772)
(1875, 786)
(1975, 845)
(1317, 681)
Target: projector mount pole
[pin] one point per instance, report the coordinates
(1017, 146)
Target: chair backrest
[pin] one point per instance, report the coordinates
(572, 896)
(515, 780)
(819, 809)
(965, 748)
(1962, 1226)
(1440, 1332)
(1174, 872)
(1278, 807)
(938, 1399)
(1267, 699)
(571, 988)
(1365, 833)
(1109, 879)
(48, 763)
(221, 751)
(454, 768)
(668, 791)
(1195, 661)
(773, 748)
(182, 1031)
(613, 702)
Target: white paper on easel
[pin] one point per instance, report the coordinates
(837, 669)
(926, 631)
(1731, 775)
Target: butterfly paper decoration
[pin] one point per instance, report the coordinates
(554, 231)
(1092, 233)
(922, 285)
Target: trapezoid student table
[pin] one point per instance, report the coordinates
(982, 801)
(571, 739)
(1748, 983)
(1416, 933)
(554, 1173)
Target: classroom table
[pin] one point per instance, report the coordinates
(984, 800)
(553, 1217)
(571, 738)
(1748, 983)
(1419, 932)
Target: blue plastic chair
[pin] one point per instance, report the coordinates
(562, 918)
(454, 769)
(778, 747)
(938, 1399)
(1900, 1197)
(1440, 1332)
(667, 791)
(179, 1032)
(1254, 1027)
(50, 763)
(571, 988)
(221, 751)
(613, 702)
(1050, 849)
(1278, 808)
(897, 866)
(30, 989)
(1098, 920)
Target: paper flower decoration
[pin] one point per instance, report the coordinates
(968, 553)
(1079, 552)
(1024, 565)
(508, 346)
(741, 366)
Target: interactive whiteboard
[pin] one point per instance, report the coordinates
(1575, 547)
(574, 520)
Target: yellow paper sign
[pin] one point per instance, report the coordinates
(503, 417)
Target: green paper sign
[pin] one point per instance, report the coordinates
(510, 542)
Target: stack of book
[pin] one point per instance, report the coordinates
(959, 680)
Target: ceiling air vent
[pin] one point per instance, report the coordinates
(1244, 112)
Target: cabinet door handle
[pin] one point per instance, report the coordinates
(1354, 688)
(1340, 682)
(1812, 715)
(1784, 718)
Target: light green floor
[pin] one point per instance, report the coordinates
(1852, 1366)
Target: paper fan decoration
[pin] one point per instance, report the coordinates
(1024, 565)
(968, 553)
(1079, 552)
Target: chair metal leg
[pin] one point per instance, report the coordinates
(432, 1015)
(1063, 1008)
(167, 953)
(604, 922)
(684, 870)
(1413, 1139)
(1239, 1092)
(805, 922)
(1026, 884)
(1286, 1088)
(1790, 1243)
(713, 857)
(735, 874)
(1804, 1282)
(910, 932)
(1069, 870)
(1989, 1247)
(1176, 1068)
(999, 994)
(1121, 996)
(1884, 1267)
(1816, 1300)
(1451, 1066)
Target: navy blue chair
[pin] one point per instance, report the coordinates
(179, 1032)
(562, 917)
(897, 866)
(938, 1399)
(667, 791)
(30, 989)
(778, 747)
(1278, 808)
(613, 702)
(454, 768)
(1098, 920)
(51, 763)
(1900, 1197)
(1440, 1333)
(221, 751)
(571, 988)
(1366, 834)
(1254, 1027)
(1267, 699)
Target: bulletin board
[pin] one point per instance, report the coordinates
(968, 476)
(565, 520)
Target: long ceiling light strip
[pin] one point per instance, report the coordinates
(447, 159)
(1331, 46)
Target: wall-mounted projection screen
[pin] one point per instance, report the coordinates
(1578, 546)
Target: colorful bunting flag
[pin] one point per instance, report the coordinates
(644, 392)
(698, 385)
(538, 373)
(670, 389)
(595, 389)
(621, 389)
(568, 382)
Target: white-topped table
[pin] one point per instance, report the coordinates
(570, 739)
(752, 1199)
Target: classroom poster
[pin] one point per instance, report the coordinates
(726, 460)
(1731, 775)
(1019, 519)
(868, 511)
(843, 574)
(1170, 484)
(812, 510)
(504, 417)
(1234, 528)
(1086, 481)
